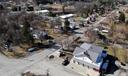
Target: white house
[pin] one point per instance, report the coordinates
(88, 55)
(64, 17)
(41, 12)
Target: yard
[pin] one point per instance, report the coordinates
(120, 53)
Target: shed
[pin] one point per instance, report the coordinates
(42, 12)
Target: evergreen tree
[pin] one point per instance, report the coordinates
(66, 27)
(26, 33)
(121, 17)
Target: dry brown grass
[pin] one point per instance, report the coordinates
(19, 52)
(16, 52)
(8, 54)
(119, 31)
(120, 53)
(24, 46)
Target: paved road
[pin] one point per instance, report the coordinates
(54, 66)
(14, 67)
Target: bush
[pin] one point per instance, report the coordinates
(51, 14)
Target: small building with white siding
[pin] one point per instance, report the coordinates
(41, 12)
(64, 17)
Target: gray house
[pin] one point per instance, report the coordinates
(88, 55)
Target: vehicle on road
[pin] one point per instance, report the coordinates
(32, 49)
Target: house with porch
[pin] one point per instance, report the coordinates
(89, 55)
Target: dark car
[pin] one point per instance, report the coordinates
(66, 62)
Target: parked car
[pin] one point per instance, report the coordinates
(66, 62)
(33, 49)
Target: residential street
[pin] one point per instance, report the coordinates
(14, 67)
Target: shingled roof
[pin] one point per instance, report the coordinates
(88, 50)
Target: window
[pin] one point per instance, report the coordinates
(78, 63)
(73, 61)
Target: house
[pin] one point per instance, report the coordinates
(65, 17)
(41, 12)
(89, 55)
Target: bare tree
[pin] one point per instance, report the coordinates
(85, 9)
(10, 26)
(91, 35)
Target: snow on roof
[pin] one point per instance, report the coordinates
(105, 31)
(67, 16)
(42, 11)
